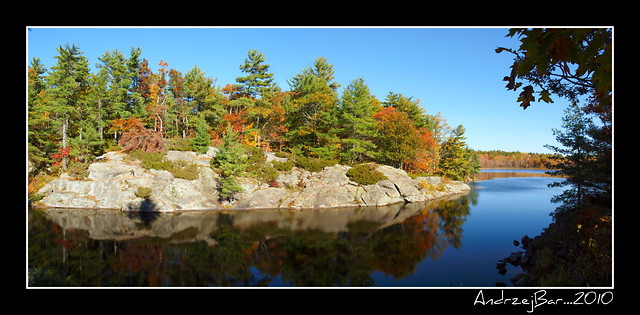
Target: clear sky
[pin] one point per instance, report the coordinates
(454, 71)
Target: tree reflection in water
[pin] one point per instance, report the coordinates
(217, 251)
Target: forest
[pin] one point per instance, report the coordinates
(514, 159)
(75, 115)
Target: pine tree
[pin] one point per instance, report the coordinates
(312, 115)
(202, 139)
(357, 123)
(135, 101)
(40, 142)
(407, 105)
(258, 81)
(456, 159)
(313, 79)
(231, 162)
(67, 85)
(582, 163)
(114, 70)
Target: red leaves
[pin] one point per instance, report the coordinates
(138, 137)
(63, 152)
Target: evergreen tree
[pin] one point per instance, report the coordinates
(36, 82)
(39, 134)
(99, 99)
(135, 101)
(231, 162)
(114, 70)
(202, 139)
(456, 159)
(203, 97)
(407, 105)
(312, 79)
(581, 162)
(312, 114)
(67, 85)
(258, 80)
(357, 123)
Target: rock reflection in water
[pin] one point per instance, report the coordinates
(323, 247)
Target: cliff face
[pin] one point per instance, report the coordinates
(113, 183)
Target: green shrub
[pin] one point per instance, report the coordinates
(365, 174)
(111, 145)
(179, 169)
(79, 170)
(184, 170)
(265, 173)
(178, 144)
(255, 155)
(283, 166)
(143, 192)
(313, 164)
(228, 187)
(151, 160)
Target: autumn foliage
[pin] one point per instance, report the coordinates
(402, 144)
(139, 138)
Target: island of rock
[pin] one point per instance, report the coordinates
(112, 183)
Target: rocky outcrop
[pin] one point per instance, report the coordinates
(112, 183)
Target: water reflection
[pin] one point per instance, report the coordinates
(325, 247)
(487, 174)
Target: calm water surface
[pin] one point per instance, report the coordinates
(454, 242)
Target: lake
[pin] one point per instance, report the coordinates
(452, 242)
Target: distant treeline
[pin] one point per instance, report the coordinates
(512, 159)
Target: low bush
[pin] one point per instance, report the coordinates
(255, 155)
(178, 144)
(79, 170)
(258, 167)
(264, 172)
(427, 186)
(283, 166)
(180, 169)
(184, 170)
(36, 183)
(365, 174)
(313, 164)
(143, 192)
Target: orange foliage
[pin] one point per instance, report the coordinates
(425, 159)
(123, 125)
(138, 137)
(237, 121)
(404, 144)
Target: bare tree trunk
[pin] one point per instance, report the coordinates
(65, 124)
(100, 130)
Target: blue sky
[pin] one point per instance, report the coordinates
(454, 71)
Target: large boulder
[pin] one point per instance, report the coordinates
(267, 198)
(323, 196)
(380, 194)
(408, 188)
(189, 157)
(294, 178)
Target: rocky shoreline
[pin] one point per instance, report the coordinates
(113, 181)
